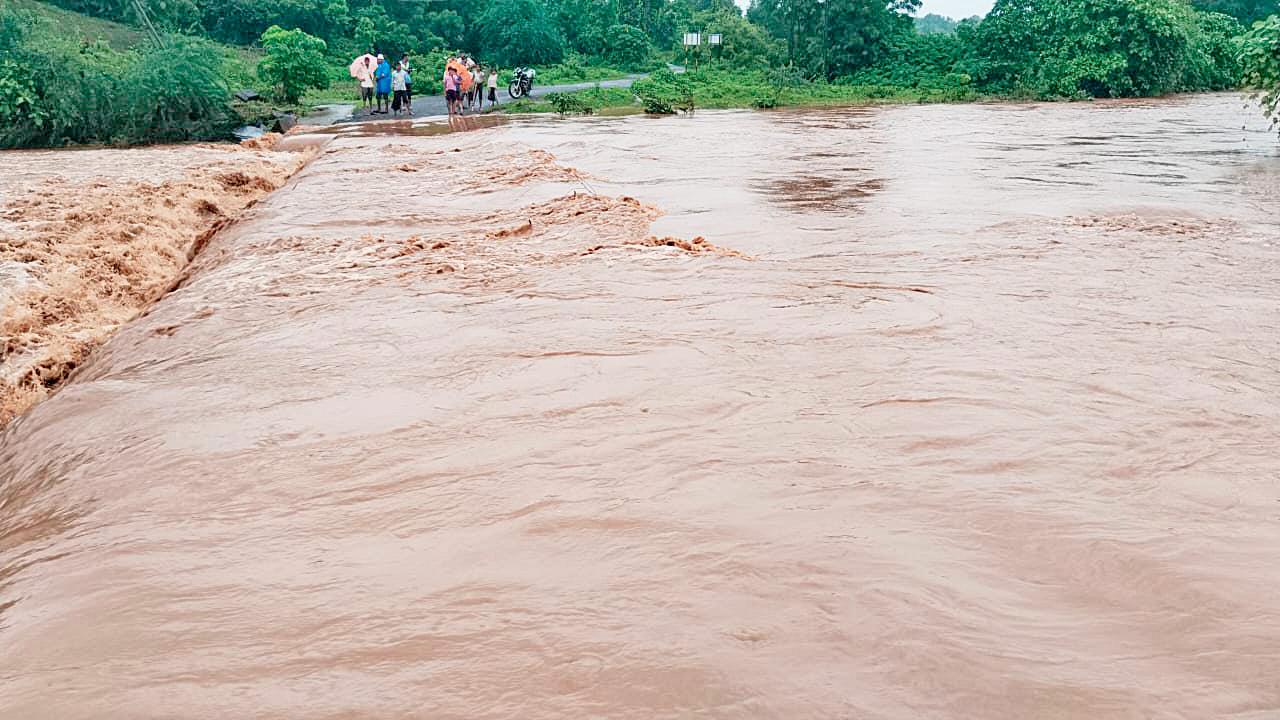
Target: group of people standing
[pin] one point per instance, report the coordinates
(389, 89)
(384, 89)
(466, 83)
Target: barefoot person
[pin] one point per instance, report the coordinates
(452, 82)
(493, 86)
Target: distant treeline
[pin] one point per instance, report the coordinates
(1022, 48)
(831, 37)
(933, 24)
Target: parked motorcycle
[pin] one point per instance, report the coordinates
(521, 82)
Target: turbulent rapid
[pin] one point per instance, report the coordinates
(913, 412)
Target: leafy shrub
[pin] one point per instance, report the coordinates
(1260, 56)
(100, 95)
(765, 101)
(569, 103)
(174, 93)
(294, 62)
(777, 80)
(664, 92)
(1215, 63)
(915, 60)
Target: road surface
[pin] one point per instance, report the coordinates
(431, 105)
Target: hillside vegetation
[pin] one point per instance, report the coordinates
(117, 84)
(86, 28)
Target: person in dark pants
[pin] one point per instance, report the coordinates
(364, 74)
(382, 77)
(399, 86)
(408, 83)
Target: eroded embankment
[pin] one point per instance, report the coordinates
(88, 239)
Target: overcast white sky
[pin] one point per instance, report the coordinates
(957, 9)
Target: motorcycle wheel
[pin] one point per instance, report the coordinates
(515, 90)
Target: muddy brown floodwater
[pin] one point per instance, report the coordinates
(91, 238)
(956, 412)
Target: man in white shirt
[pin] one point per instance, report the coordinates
(399, 89)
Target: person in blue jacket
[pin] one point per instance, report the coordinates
(382, 77)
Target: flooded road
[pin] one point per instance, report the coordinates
(956, 412)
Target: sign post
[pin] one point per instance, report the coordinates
(692, 40)
(714, 40)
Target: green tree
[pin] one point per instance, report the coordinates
(585, 24)
(447, 25)
(520, 32)
(1099, 48)
(834, 37)
(294, 62)
(933, 24)
(366, 34)
(243, 21)
(743, 44)
(627, 46)
(376, 30)
(1260, 56)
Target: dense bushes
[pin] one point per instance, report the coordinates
(570, 103)
(56, 90)
(1068, 48)
(934, 60)
(1098, 48)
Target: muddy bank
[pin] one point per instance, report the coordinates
(88, 239)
